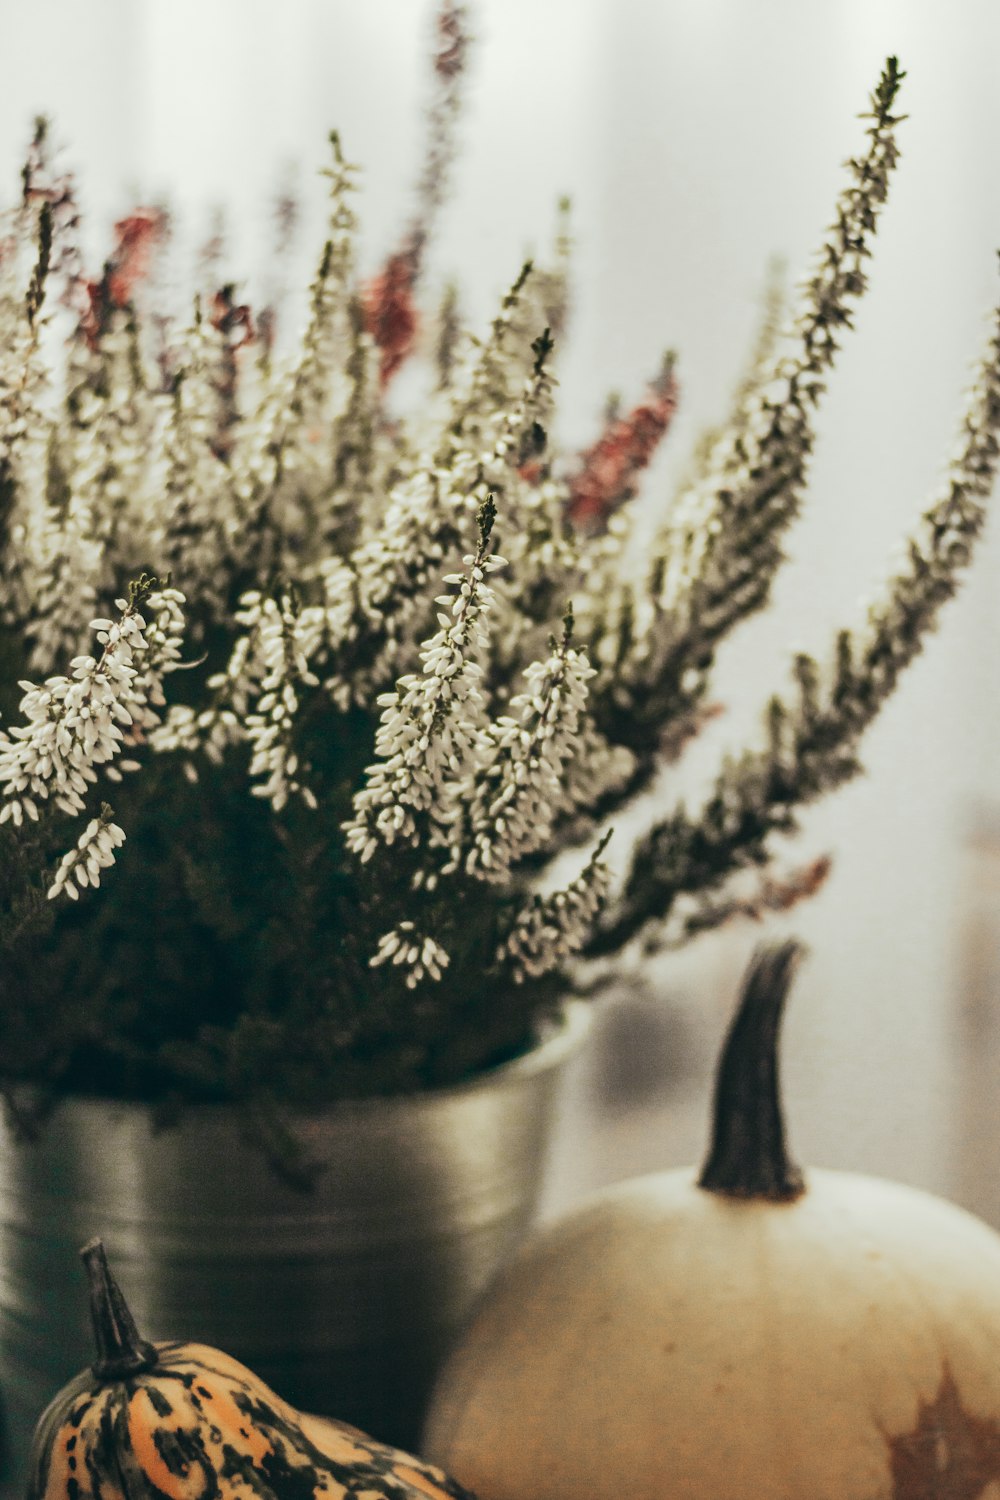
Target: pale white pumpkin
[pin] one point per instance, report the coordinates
(837, 1340)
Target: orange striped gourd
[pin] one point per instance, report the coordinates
(181, 1421)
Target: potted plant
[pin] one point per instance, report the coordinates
(368, 688)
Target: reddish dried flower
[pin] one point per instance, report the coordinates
(389, 312)
(773, 893)
(94, 310)
(388, 299)
(453, 40)
(136, 236)
(609, 468)
(232, 318)
(782, 895)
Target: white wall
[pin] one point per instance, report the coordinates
(697, 138)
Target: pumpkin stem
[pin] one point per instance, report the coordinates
(120, 1350)
(748, 1157)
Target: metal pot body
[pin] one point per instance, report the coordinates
(344, 1299)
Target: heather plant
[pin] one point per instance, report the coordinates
(373, 675)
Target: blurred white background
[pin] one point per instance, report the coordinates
(697, 138)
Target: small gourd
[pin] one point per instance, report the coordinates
(180, 1421)
(748, 1332)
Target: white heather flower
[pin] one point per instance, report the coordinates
(66, 563)
(523, 787)
(551, 929)
(282, 474)
(430, 736)
(423, 956)
(270, 726)
(196, 524)
(77, 723)
(104, 456)
(712, 559)
(239, 682)
(233, 691)
(164, 636)
(186, 730)
(73, 724)
(94, 852)
(472, 453)
(25, 422)
(391, 573)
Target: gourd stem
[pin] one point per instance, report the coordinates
(120, 1350)
(748, 1156)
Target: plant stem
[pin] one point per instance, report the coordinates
(120, 1350)
(748, 1156)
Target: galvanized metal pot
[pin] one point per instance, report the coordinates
(344, 1299)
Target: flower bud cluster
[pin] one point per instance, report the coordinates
(551, 929)
(94, 851)
(423, 957)
(521, 791)
(430, 735)
(78, 723)
(270, 725)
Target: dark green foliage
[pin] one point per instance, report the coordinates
(231, 961)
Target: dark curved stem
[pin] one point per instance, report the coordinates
(748, 1156)
(120, 1350)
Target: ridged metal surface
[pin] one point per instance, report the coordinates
(344, 1299)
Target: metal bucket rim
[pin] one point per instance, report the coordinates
(562, 1036)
